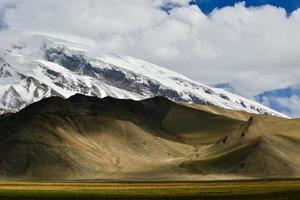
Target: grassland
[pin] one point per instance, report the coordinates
(272, 189)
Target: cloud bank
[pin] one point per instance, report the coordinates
(292, 103)
(255, 49)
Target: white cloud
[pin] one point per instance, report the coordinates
(292, 103)
(255, 49)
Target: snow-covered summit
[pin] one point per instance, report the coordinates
(42, 66)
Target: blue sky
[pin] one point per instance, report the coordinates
(208, 5)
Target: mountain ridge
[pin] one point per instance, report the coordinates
(68, 68)
(87, 138)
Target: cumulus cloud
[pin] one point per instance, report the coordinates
(254, 49)
(292, 104)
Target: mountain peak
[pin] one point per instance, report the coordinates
(66, 68)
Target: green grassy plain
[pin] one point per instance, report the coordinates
(239, 190)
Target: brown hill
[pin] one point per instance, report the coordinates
(154, 139)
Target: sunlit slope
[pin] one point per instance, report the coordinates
(198, 127)
(261, 147)
(154, 139)
(234, 114)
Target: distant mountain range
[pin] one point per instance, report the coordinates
(87, 138)
(42, 66)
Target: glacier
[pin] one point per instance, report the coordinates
(41, 66)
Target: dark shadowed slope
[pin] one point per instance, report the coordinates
(154, 139)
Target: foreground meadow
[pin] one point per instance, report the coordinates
(273, 189)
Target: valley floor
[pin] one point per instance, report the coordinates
(239, 190)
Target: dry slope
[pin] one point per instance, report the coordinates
(154, 139)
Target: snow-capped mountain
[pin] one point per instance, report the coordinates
(43, 66)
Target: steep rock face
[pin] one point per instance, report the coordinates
(65, 68)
